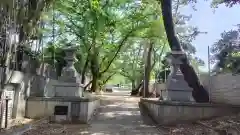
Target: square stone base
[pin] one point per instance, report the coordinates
(68, 90)
(69, 79)
(80, 110)
(177, 95)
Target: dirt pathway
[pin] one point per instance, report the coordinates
(119, 115)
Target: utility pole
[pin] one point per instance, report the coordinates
(209, 76)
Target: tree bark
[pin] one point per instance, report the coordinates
(95, 71)
(147, 68)
(94, 86)
(133, 84)
(83, 77)
(135, 91)
(198, 93)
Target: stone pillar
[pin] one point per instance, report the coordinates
(69, 73)
(177, 88)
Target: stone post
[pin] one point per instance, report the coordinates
(177, 88)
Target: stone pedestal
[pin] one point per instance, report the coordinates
(65, 89)
(177, 88)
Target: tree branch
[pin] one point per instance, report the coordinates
(118, 50)
(75, 32)
(109, 77)
(85, 87)
(126, 75)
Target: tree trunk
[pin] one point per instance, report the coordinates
(135, 91)
(83, 77)
(3, 64)
(4, 45)
(147, 69)
(94, 86)
(95, 72)
(133, 84)
(138, 85)
(108, 78)
(199, 93)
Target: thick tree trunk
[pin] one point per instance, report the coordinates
(94, 86)
(83, 77)
(3, 64)
(138, 83)
(147, 69)
(95, 71)
(199, 93)
(133, 84)
(135, 91)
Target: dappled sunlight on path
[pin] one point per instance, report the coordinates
(119, 115)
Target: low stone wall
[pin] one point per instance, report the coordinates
(174, 112)
(38, 107)
(223, 88)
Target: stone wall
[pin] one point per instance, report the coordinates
(25, 85)
(174, 112)
(223, 88)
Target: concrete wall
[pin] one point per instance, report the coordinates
(44, 107)
(223, 88)
(19, 84)
(25, 85)
(173, 112)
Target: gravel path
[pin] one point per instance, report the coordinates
(119, 115)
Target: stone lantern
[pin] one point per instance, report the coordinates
(177, 88)
(69, 73)
(68, 84)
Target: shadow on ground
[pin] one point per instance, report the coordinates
(118, 115)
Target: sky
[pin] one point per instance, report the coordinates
(212, 22)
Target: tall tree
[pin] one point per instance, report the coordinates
(101, 28)
(19, 20)
(228, 3)
(226, 52)
(199, 93)
(147, 67)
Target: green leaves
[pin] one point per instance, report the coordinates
(225, 51)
